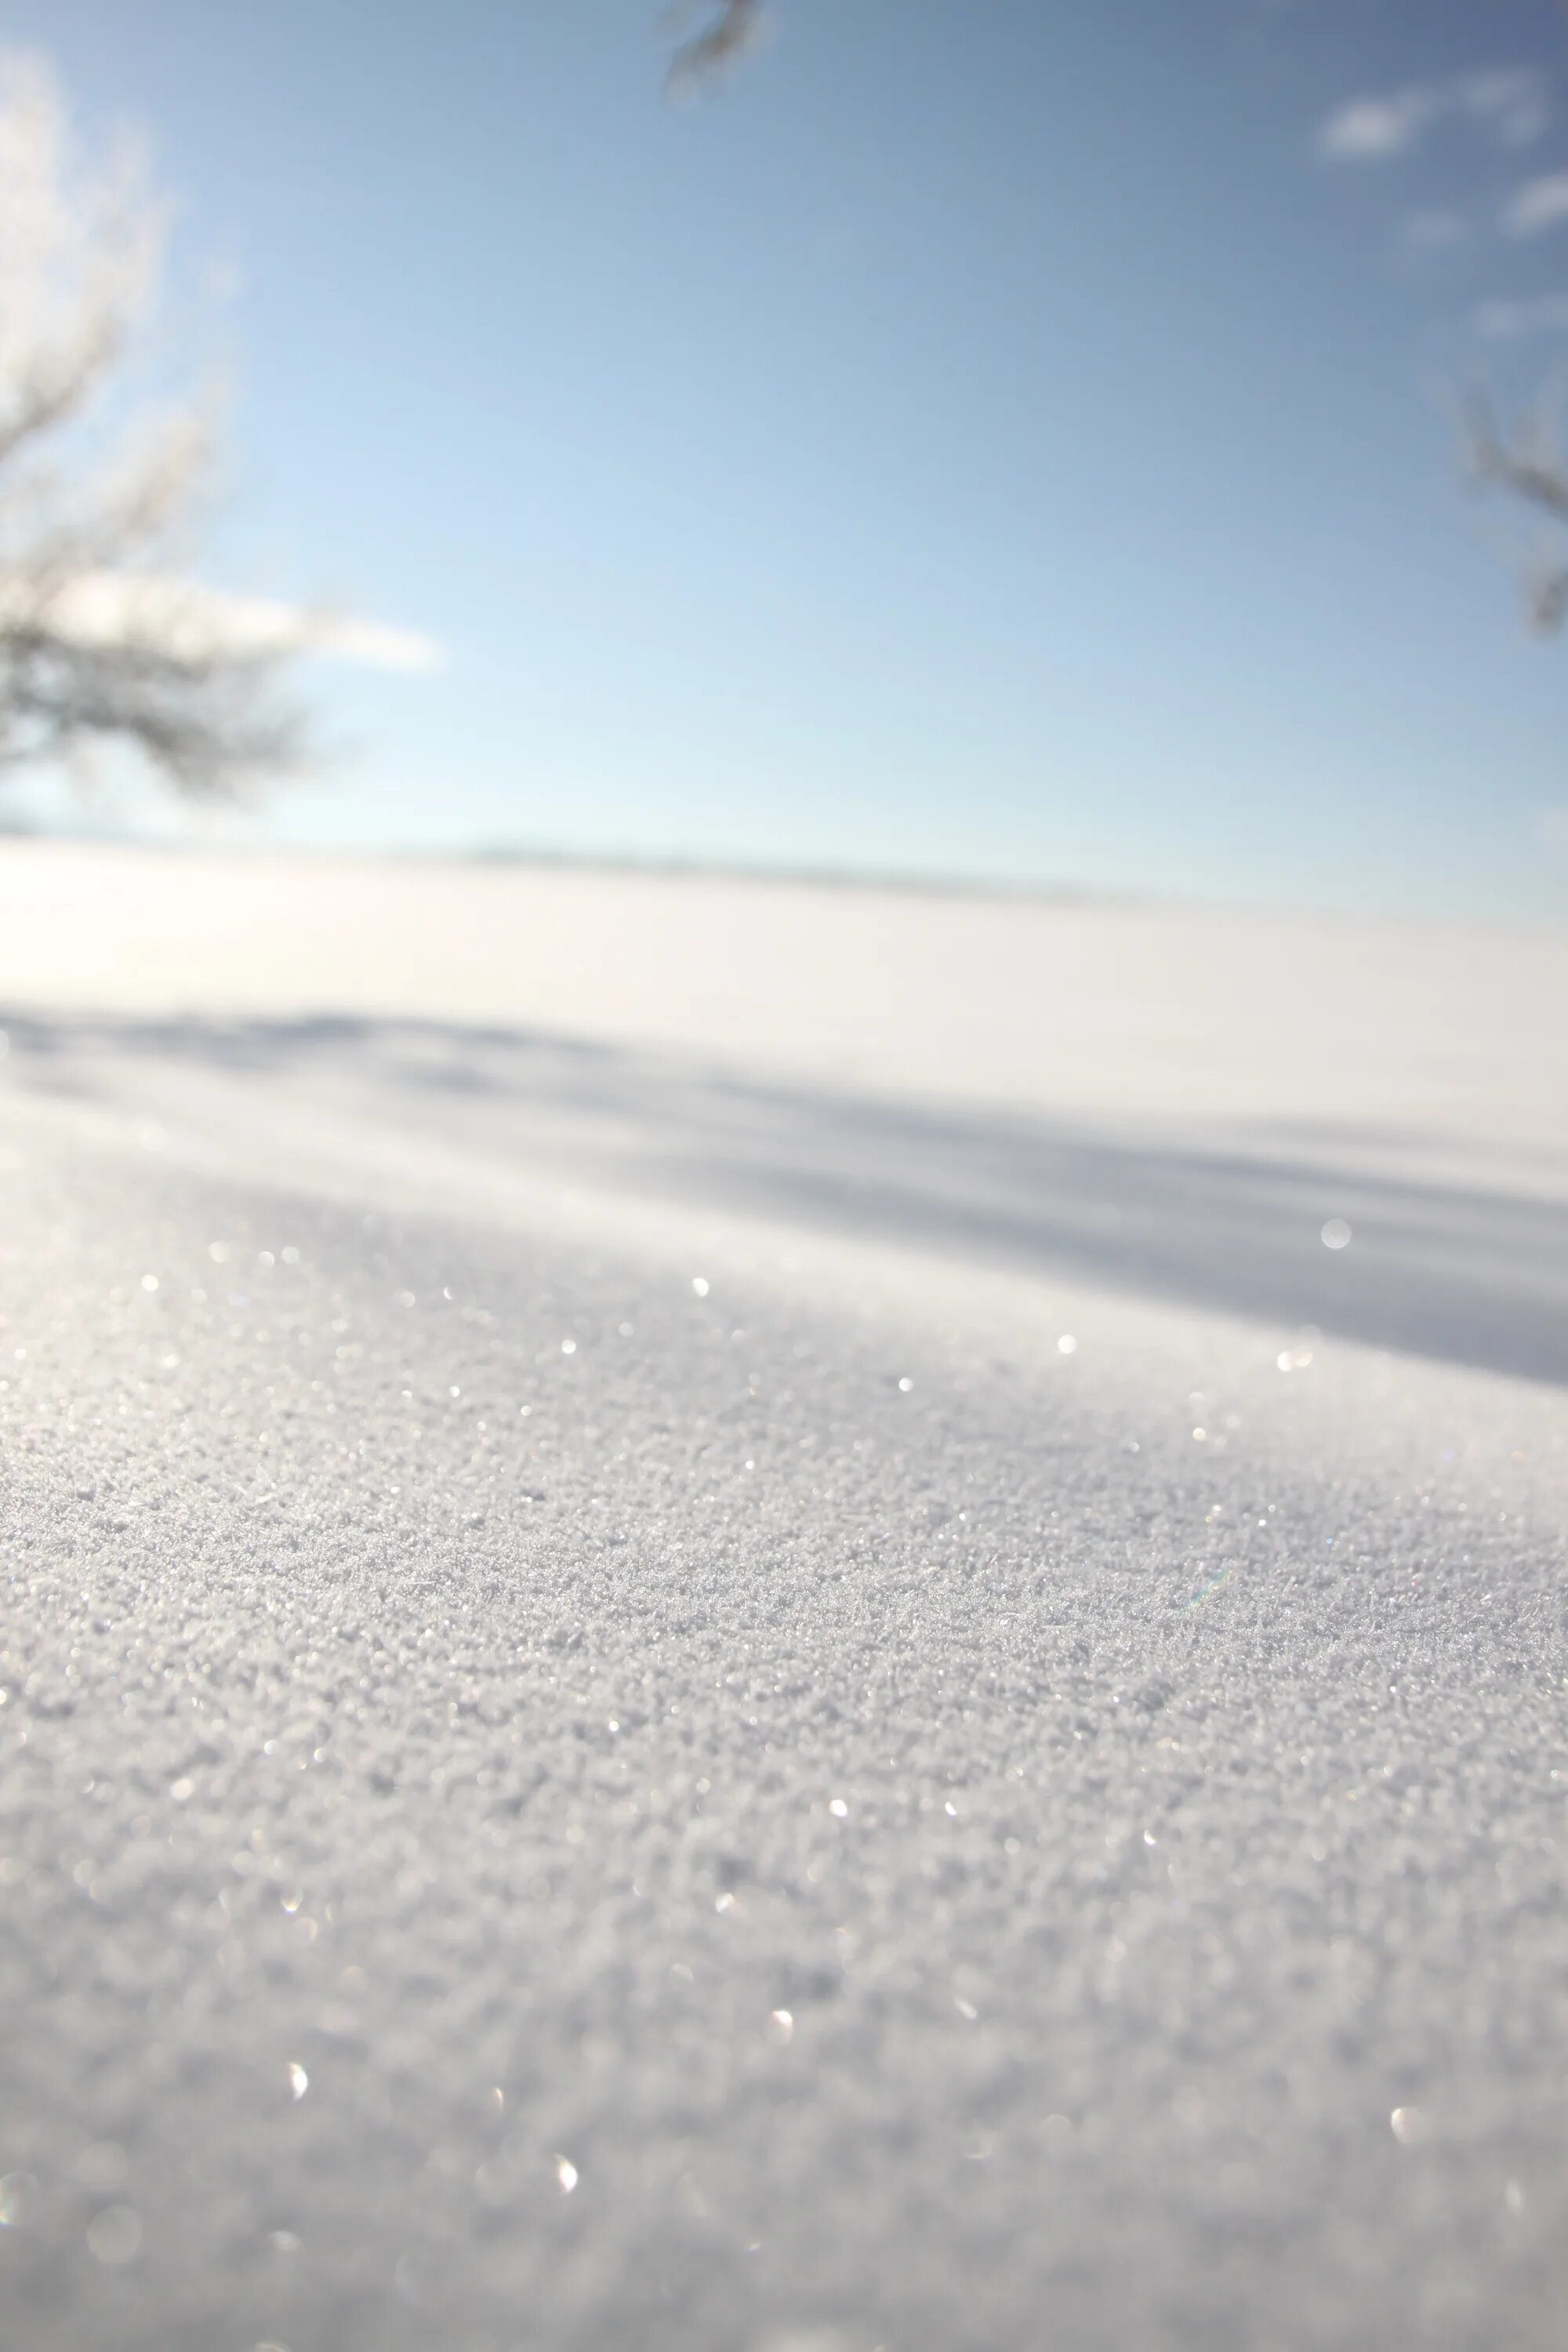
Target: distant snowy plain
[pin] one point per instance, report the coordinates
(766, 1618)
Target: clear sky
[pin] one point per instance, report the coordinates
(992, 439)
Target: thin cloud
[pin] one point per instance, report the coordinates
(1506, 321)
(1513, 106)
(1509, 106)
(377, 644)
(182, 621)
(1540, 204)
(1435, 230)
(1369, 130)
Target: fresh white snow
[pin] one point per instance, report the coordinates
(724, 1632)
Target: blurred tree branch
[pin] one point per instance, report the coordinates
(733, 27)
(1524, 460)
(100, 637)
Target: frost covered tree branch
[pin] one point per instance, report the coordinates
(102, 638)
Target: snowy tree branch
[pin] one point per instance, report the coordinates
(100, 636)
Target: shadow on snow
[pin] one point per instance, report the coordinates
(1465, 1275)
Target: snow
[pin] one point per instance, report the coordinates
(609, 1740)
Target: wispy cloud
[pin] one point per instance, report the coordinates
(1509, 106)
(1538, 204)
(1436, 229)
(1512, 106)
(1368, 130)
(379, 645)
(1503, 321)
(185, 622)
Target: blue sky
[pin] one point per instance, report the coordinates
(986, 440)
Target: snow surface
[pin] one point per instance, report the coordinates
(698, 1656)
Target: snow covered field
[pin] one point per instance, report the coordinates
(724, 1632)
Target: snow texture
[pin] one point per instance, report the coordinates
(659, 1700)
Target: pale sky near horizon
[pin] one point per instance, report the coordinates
(987, 441)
